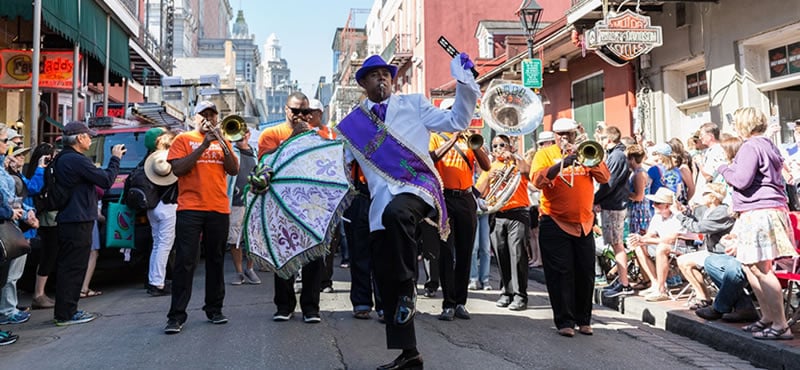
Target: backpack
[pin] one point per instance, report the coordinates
(139, 192)
(52, 197)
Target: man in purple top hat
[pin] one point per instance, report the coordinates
(388, 136)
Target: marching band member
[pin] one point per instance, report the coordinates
(389, 135)
(565, 228)
(510, 236)
(455, 161)
(298, 116)
(201, 159)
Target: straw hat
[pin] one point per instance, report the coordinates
(663, 195)
(21, 151)
(158, 170)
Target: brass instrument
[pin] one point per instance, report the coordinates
(475, 141)
(207, 126)
(589, 154)
(512, 110)
(233, 127)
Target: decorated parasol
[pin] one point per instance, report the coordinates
(295, 200)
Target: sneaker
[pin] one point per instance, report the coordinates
(250, 277)
(327, 289)
(656, 297)
(600, 280)
(7, 338)
(674, 281)
(173, 327)
(429, 293)
(79, 317)
(17, 318)
(487, 286)
(312, 318)
(504, 301)
(619, 290)
(518, 305)
(361, 315)
(615, 285)
(473, 285)
(42, 302)
(282, 316)
(218, 319)
(155, 291)
(238, 279)
(447, 314)
(462, 313)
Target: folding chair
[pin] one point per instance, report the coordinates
(790, 279)
(685, 243)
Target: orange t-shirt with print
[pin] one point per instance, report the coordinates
(272, 137)
(455, 172)
(204, 188)
(520, 196)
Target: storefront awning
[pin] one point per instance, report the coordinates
(79, 21)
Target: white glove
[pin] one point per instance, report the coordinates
(460, 69)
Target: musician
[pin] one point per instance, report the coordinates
(565, 228)
(510, 236)
(389, 135)
(298, 119)
(455, 161)
(201, 159)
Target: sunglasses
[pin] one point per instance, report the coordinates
(303, 111)
(4, 140)
(501, 145)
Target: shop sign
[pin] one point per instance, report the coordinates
(627, 35)
(55, 69)
(114, 110)
(784, 60)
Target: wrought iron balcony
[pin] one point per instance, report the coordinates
(399, 50)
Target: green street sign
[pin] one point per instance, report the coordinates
(532, 73)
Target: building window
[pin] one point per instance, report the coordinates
(784, 60)
(696, 84)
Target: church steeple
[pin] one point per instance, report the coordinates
(240, 30)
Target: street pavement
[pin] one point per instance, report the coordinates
(129, 335)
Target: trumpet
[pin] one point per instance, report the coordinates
(589, 154)
(233, 127)
(208, 127)
(475, 141)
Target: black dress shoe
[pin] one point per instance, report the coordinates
(462, 313)
(406, 308)
(741, 316)
(402, 362)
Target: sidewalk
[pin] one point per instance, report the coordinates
(675, 317)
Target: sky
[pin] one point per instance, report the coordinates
(305, 29)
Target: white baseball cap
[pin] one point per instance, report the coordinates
(315, 104)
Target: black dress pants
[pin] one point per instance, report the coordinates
(286, 300)
(362, 284)
(189, 226)
(455, 256)
(568, 263)
(510, 239)
(395, 255)
(75, 244)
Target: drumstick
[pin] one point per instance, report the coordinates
(453, 52)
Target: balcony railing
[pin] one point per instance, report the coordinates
(399, 50)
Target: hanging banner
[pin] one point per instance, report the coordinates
(627, 35)
(55, 69)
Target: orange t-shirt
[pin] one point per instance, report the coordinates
(204, 188)
(570, 207)
(519, 198)
(272, 137)
(455, 172)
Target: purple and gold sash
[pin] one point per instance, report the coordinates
(365, 133)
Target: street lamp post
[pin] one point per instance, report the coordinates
(529, 15)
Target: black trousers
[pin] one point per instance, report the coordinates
(510, 239)
(326, 280)
(429, 245)
(568, 263)
(395, 253)
(189, 226)
(48, 236)
(362, 284)
(455, 256)
(75, 244)
(285, 299)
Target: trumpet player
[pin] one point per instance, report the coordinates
(510, 237)
(455, 160)
(201, 159)
(565, 228)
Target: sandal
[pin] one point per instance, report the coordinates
(756, 326)
(90, 293)
(774, 334)
(703, 303)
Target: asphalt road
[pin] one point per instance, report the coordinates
(128, 335)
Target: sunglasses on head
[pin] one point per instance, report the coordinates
(303, 111)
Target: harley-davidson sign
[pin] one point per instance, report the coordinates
(628, 35)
